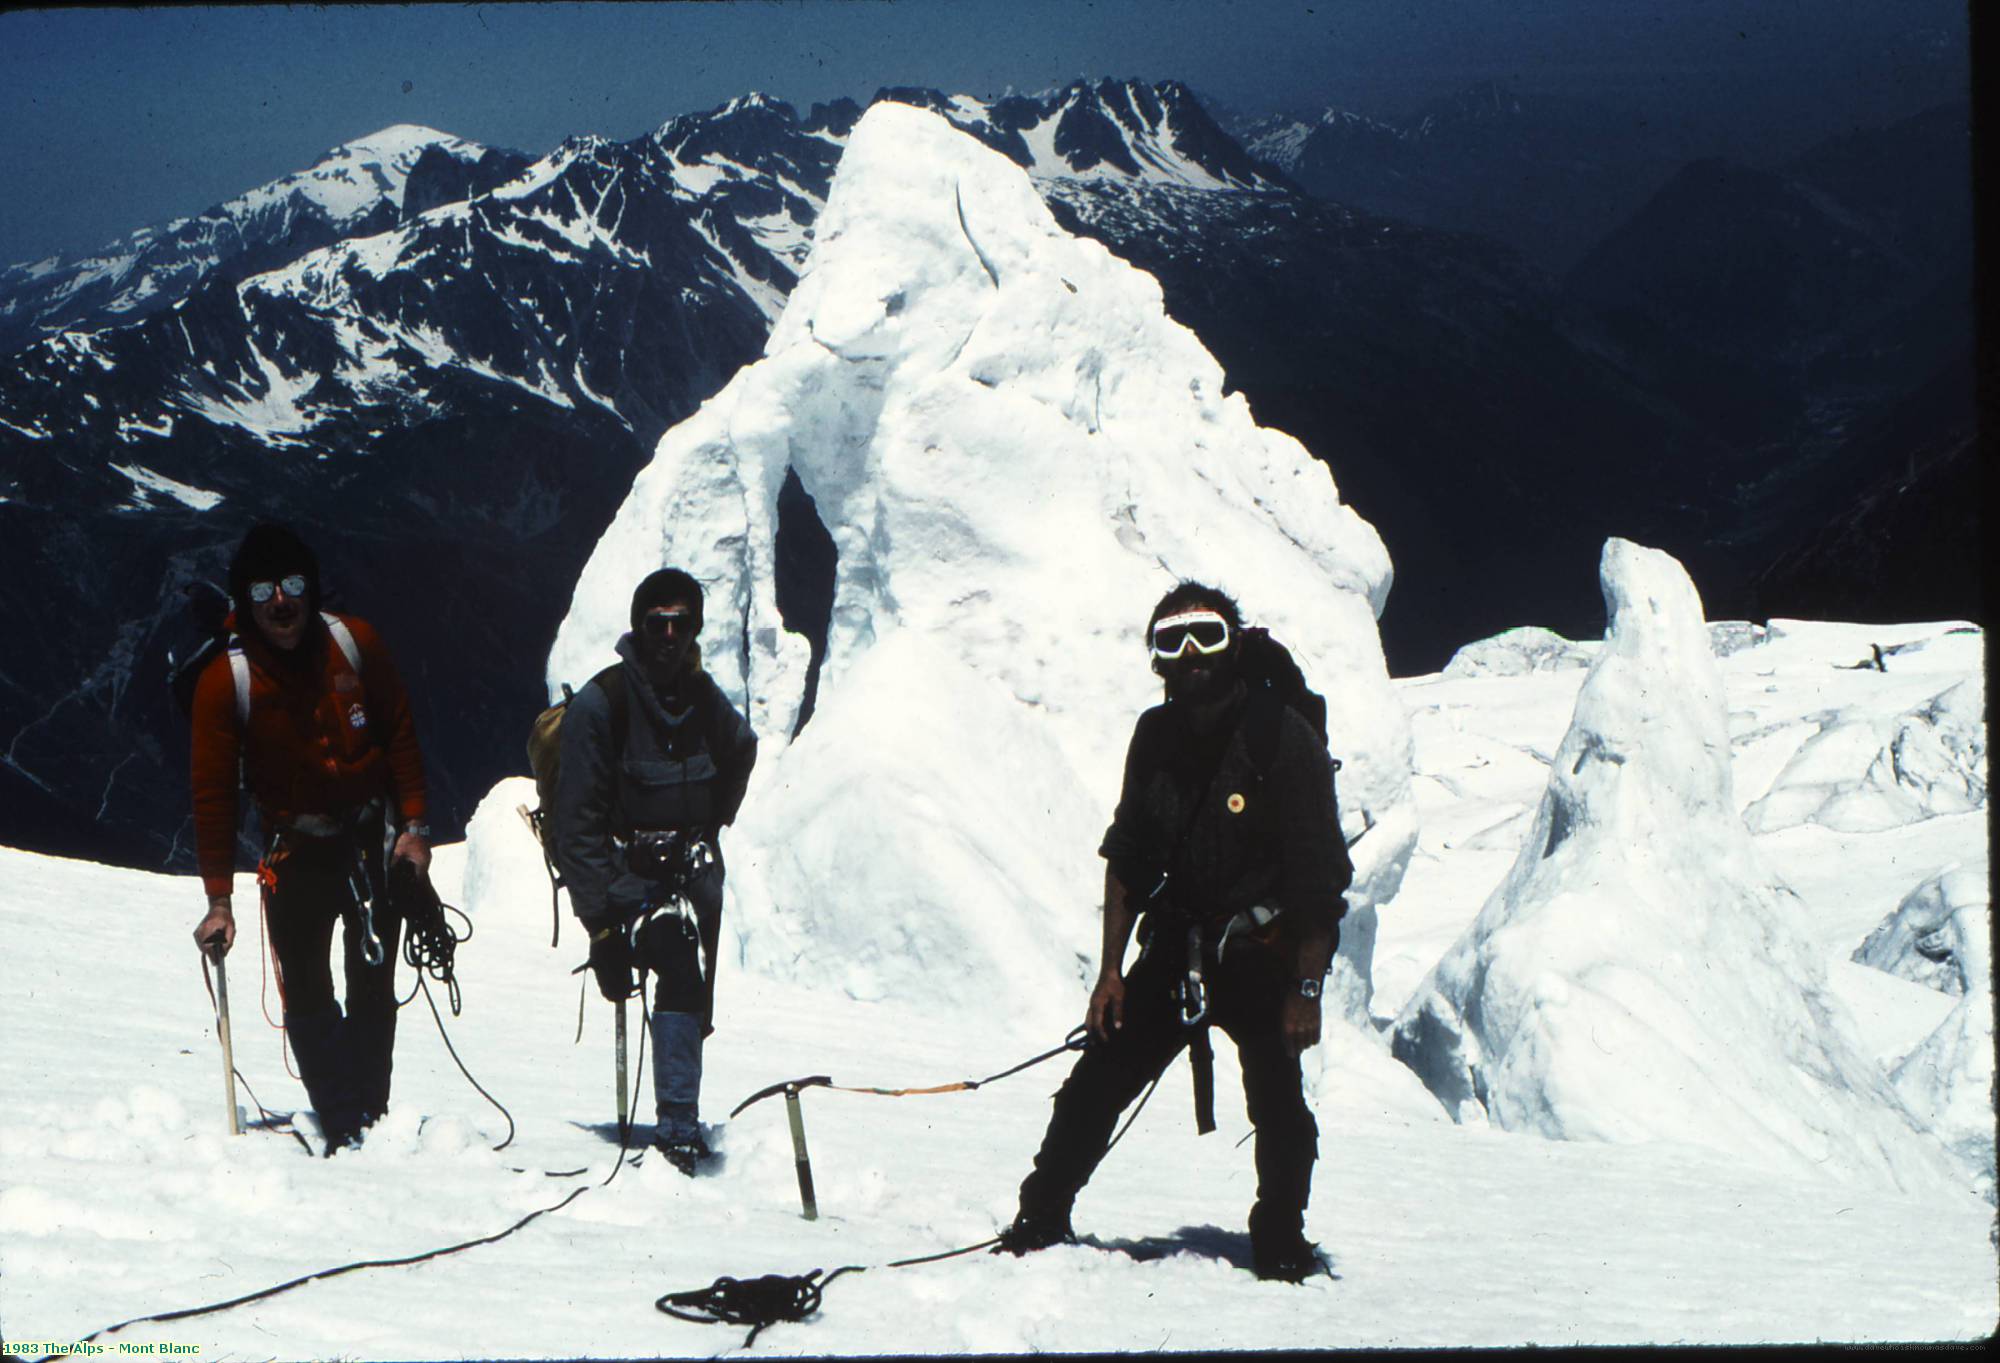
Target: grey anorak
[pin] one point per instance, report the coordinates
(683, 770)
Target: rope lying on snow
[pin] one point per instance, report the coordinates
(773, 1298)
(332, 1273)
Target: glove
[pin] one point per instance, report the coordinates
(611, 963)
(414, 899)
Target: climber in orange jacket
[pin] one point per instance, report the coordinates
(307, 712)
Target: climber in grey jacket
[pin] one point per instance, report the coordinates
(654, 761)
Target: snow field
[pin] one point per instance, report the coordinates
(123, 1197)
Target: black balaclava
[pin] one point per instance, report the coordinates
(659, 589)
(269, 552)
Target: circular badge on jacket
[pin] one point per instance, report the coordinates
(1235, 803)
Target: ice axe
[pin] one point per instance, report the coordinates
(624, 1102)
(214, 948)
(795, 1113)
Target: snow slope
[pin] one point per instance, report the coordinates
(960, 385)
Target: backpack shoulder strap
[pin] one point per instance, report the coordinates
(239, 669)
(344, 637)
(1263, 718)
(611, 681)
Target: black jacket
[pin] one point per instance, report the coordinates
(1194, 810)
(684, 771)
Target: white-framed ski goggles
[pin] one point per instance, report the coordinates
(294, 585)
(1203, 631)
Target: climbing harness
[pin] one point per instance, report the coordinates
(669, 861)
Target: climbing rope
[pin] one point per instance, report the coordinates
(331, 1273)
(1077, 1040)
(774, 1298)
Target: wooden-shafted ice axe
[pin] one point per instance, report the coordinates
(214, 947)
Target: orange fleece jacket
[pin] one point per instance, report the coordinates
(319, 740)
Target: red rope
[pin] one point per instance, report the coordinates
(267, 879)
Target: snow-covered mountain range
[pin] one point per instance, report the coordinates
(452, 398)
(357, 189)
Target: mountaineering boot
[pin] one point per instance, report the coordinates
(683, 1152)
(1033, 1230)
(1285, 1260)
(318, 1040)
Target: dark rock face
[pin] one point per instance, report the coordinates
(1818, 318)
(439, 178)
(450, 407)
(1548, 176)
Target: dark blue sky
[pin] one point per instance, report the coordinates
(117, 118)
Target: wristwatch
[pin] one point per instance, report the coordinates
(1309, 989)
(422, 830)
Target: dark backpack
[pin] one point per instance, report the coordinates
(205, 638)
(1272, 674)
(1276, 685)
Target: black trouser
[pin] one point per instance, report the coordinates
(1247, 991)
(344, 1061)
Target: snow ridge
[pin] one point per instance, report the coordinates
(1639, 974)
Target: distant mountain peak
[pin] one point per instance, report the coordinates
(395, 140)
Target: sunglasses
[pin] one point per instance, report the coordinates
(1203, 631)
(657, 624)
(294, 586)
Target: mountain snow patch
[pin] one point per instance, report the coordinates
(1638, 975)
(1015, 452)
